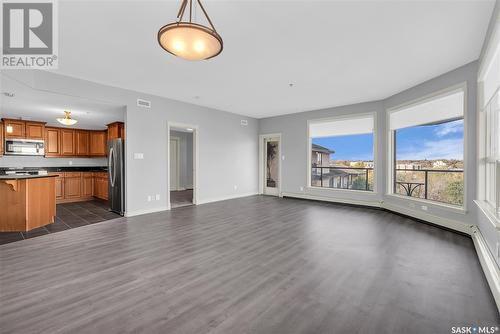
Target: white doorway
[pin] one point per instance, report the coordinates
(270, 147)
(182, 163)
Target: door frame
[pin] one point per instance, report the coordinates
(195, 133)
(262, 161)
(178, 176)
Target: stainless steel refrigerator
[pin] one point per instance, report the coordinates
(116, 176)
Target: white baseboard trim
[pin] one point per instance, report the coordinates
(146, 211)
(488, 264)
(437, 220)
(225, 198)
(376, 204)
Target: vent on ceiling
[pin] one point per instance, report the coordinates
(143, 103)
(244, 122)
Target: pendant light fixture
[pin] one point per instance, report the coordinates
(189, 40)
(67, 120)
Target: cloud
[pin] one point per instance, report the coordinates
(449, 128)
(434, 149)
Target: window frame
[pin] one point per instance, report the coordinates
(373, 115)
(484, 129)
(391, 152)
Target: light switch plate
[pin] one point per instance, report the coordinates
(138, 156)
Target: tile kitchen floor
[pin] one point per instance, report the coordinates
(68, 215)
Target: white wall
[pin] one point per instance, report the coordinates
(294, 146)
(27, 161)
(227, 151)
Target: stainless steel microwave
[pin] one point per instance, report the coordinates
(24, 147)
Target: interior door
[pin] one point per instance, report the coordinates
(174, 164)
(271, 166)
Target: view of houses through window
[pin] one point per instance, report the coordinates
(428, 149)
(429, 162)
(342, 154)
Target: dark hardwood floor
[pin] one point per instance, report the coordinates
(250, 265)
(181, 198)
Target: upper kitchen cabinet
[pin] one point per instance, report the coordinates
(34, 130)
(67, 142)
(14, 128)
(116, 130)
(98, 141)
(82, 142)
(52, 142)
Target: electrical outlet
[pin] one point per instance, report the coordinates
(235, 187)
(301, 188)
(424, 207)
(149, 198)
(70, 163)
(157, 197)
(283, 157)
(138, 156)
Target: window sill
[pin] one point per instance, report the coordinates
(340, 190)
(449, 207)
(489, 212)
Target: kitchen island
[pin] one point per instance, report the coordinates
(26, 202)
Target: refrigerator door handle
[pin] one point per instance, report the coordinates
(114, 167)
(110, 166)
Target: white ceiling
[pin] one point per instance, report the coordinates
(37, 105)
(334, 52)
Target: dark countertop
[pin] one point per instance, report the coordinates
(58, 169)
(23, 177)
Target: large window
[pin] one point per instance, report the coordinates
(341, 153)
(489, 133)
(428, 149)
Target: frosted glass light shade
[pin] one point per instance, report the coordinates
(190, 41)
(67, 120)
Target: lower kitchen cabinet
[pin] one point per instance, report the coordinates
(81, 186)
(101, 185)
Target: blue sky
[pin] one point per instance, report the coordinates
(443, 141)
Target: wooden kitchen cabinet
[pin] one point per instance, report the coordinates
(98, 143)
(87, 184)
(52, 142)
(2, 150)
(59, 180)
(116, 130)
(82, 142)
(34, 130)
(72, 185)
(101, 185)
(67, 142)
(14, 128)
